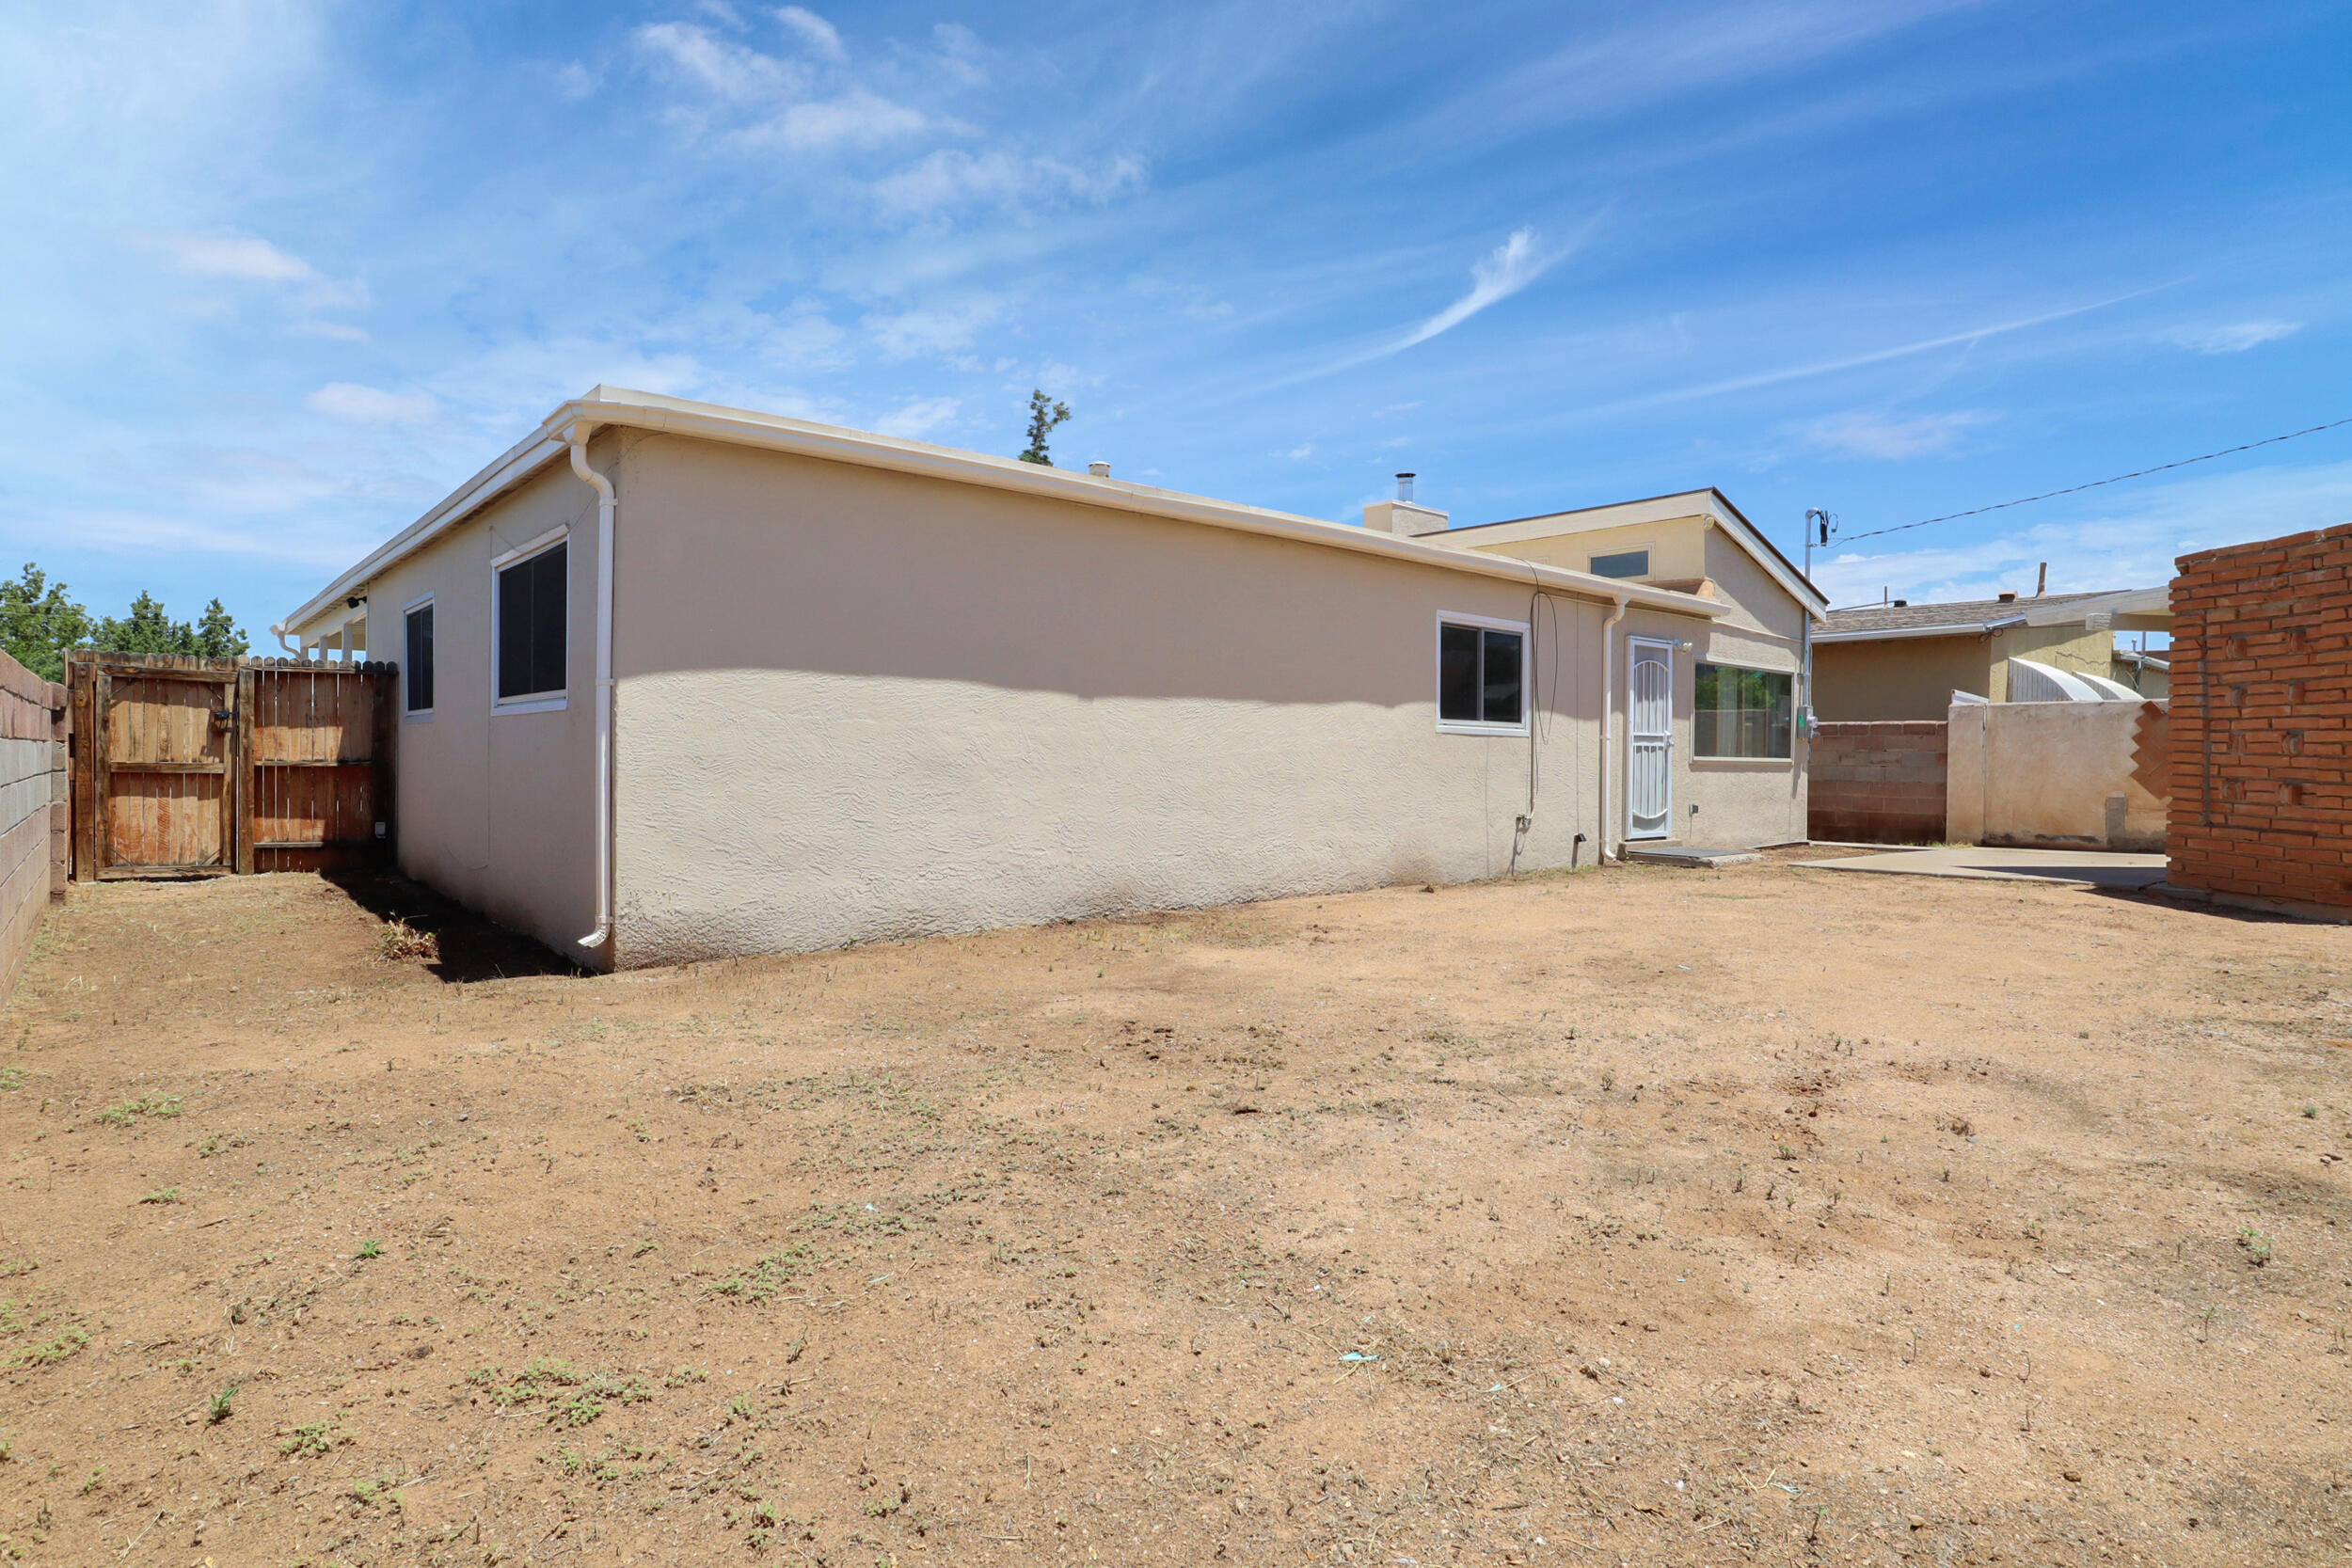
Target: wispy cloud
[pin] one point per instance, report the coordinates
(754, 101)
(1516, 263)
(951, 178)
(237, 256)
(919, 417)
(357, 405)
(1876, 436)
(2236, 338)
(931, 329)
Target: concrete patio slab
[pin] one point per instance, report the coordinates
(2078, 868)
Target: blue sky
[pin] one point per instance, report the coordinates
(283, 272)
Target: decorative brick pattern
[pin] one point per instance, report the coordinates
(2261, 706)
(1876, 782)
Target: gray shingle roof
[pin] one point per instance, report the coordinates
(1967, 612)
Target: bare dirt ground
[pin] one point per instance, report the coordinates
(1645, 1216)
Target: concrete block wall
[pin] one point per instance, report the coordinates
(34, 818)
(2262, 706)
(1878, 783)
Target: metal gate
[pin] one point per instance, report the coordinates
(202, 767)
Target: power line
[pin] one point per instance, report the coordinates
(2137, 473)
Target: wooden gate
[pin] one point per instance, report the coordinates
(202, 767)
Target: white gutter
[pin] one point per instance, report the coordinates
(737, 427)
(607, 505)
(1608, 704)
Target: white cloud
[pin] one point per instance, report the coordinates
(1514, 265)
(1874, 435)
(575, 81)
(1306, 448)
(758, 101)
(238, 255)
(358, 405)
(340, 332)
(815, 31)
(917, 417)
(2234, 339)
(953, 178)
(940, 329)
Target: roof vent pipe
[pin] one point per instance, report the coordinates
(1099, 468)
(1404, 486)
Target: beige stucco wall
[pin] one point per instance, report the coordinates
(2055, 775)
(497, 810)
(1677, 547)
(856, 705)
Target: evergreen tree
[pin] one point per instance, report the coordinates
(146, 630)
(218, 636)
(1044, 414)
(39, 623)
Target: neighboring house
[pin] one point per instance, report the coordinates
(2148, 674)
(1903, 661)
(683, 681)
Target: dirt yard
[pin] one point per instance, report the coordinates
(1645, 1216)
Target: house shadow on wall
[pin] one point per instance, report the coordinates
(470, 948)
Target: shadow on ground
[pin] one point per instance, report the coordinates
(471, 948)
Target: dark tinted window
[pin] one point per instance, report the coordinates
(1499, 681)
(1457, 674)
(531, 625)
(1626, 563)
(1480, 673)
(420, 658)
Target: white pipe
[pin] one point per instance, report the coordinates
(279, 632)
(607, 505)
(1608, 706)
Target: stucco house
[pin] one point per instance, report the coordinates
(683, 681)
(1903, 661)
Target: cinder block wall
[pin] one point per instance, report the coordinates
(1878, 783)
(2261, 701)
(33, 816)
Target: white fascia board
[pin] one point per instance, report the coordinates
(649, 411)
(2138, 602)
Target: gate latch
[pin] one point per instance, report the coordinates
(224, 715)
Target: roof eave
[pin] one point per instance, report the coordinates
(778, 434)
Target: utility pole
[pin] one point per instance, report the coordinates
(1817, 521)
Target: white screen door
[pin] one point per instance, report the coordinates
(1649, 693)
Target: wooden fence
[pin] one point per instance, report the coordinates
(204, 767)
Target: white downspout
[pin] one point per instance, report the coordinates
(607, 505)
(279, 632)
(1608, 706)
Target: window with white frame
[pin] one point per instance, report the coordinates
(417, 666)
(1482, 670)
(531, 605)
(1624, 563)
(1741, 713)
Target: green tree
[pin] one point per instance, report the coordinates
(217, 635)
(146, 630)
(1044, 414)
(39, 623)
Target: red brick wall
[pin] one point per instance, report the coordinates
(1876, 782)
(32, 809)
(2262, 704)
